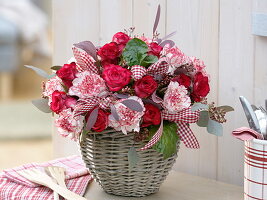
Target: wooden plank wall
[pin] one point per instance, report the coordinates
(217, 31)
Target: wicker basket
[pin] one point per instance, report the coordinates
(106, 156)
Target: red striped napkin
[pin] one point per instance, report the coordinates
(15, 187)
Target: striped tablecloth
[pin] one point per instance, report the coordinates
(15, 187)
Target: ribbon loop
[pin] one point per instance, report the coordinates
(182, 118)
(85, 61)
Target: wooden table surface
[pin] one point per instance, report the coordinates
(179, 186)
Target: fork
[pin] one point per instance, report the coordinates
(41, 178)
(58, 174)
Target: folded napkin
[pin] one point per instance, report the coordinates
(244, 134)
(15, 187)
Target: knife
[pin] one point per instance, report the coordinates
(251, 116)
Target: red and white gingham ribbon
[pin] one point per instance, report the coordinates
(85, 105)
(85, 61)
(138, 72)
(159, 67)
(182, 118)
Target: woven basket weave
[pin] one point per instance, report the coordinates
(106, 156)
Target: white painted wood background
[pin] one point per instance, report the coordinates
(217, 31)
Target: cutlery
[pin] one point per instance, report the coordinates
(58, 173)
(41, 178)
(261, 116)
(251, 116)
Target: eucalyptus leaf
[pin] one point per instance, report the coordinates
(40, 72)
(88, 47)
(148, 60)
(56, 67)
(133, 105)
(214, 128)
(114, 113)
(169, 35)
(156, 20)
(203, 119)
(199, 106)
(92, 119)
(135, 51)
(42, 104)
(167, 143)
(122, 96)
(226, 108)
(170, 42)
(133, 158)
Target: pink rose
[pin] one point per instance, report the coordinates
(101, 121)
(155, 49)
(201, 87)
(116, 77)
(61, 101)
(183, 79)
(152, 115)
(67, 73)
(120, 38)
(109, 51)
(145, 86)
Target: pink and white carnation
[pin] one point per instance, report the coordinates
(88, 84)
(52, 85)
(129, 119)
(68, 126)
(176, 98)
(198, 64)
(176, 56)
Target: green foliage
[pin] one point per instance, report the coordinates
(203, 118)
(148, 60)
(167, 143)
(135, 52)
(214, 128)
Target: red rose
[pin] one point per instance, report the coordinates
(61, 101)
(116, 77)
(120, 38)
(152, 116)
(101, 121)
(145, 86)
(201, 86)
(154, 49)
(183, 79)
(109, 51)
(67, 73)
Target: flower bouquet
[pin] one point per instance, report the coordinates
(129, 103)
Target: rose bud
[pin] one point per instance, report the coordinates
(116, 77)
(183, 79)
(154, 49)
(152, 116)
(67, 73)
(109, 51)
(145, 86)
(101, 121)
(201, 87)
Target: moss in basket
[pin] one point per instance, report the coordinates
(167, 143)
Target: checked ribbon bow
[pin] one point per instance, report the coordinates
(182, 118)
